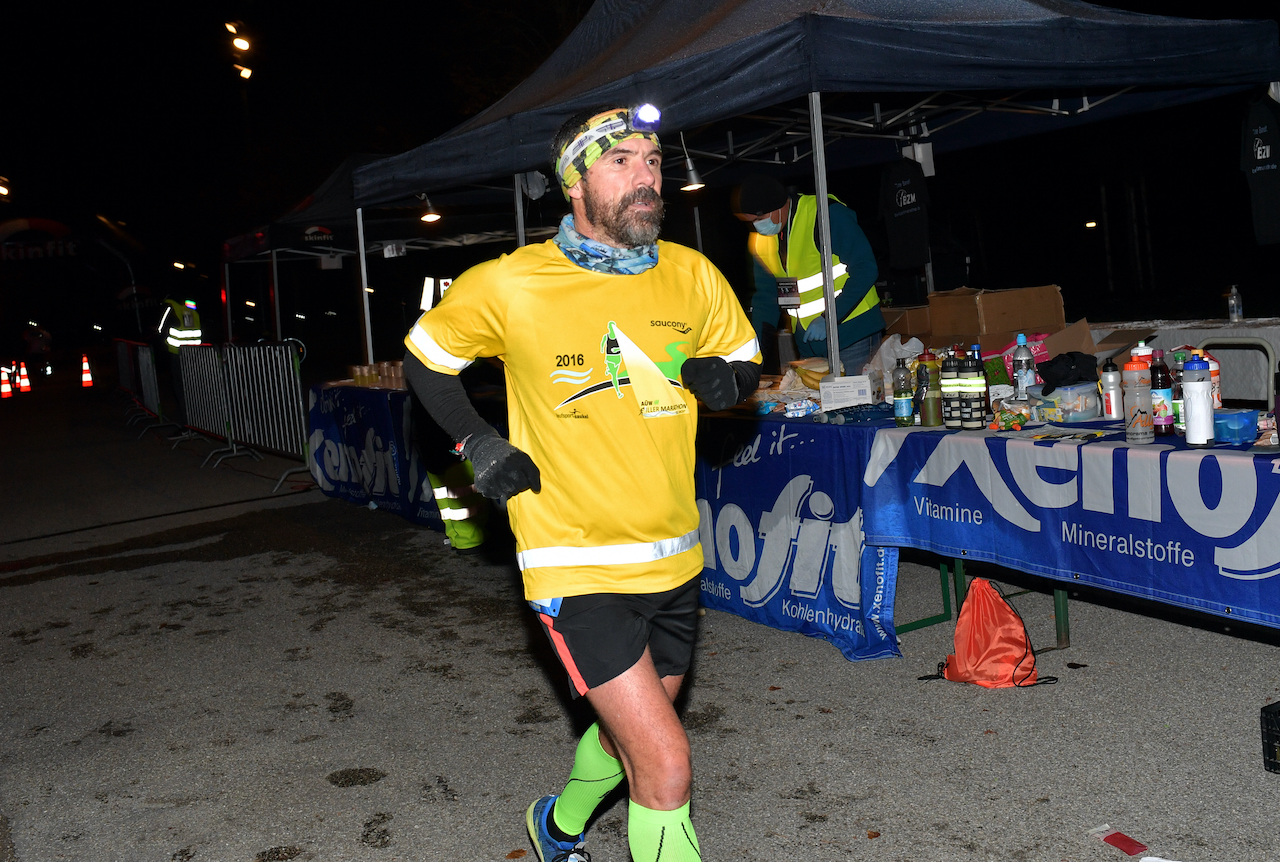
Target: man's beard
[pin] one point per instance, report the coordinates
(630, 228)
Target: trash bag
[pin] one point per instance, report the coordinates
(992, 646)
(886, 358)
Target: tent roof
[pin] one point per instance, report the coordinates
(708, 60)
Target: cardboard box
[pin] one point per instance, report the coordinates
(1119, 343)
(907, 321)
(1076, 338)
(989, 313)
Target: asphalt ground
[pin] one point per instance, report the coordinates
(194, 669)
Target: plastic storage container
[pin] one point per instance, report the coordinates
(1235, 426)
(1076, 403)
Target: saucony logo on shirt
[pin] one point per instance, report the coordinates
(678, 325)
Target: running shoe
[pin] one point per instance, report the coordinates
(548, 848)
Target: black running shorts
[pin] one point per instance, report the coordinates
(601, 636)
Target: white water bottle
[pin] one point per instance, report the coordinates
(1024, 368)
(1197, 402)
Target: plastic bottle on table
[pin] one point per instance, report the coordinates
(1179, 357)
(1112, 399)
(1136, 381)
(1024, 369)
(903, 395)
(929, 390)
(1142, 353)
(1235, 305)
(1215, 380)
(951, 396)
(1161, 396)
(1197, 402)
(973, 390)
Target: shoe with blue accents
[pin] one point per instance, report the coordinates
(547, 847)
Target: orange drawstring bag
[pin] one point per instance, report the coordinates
(993, 648)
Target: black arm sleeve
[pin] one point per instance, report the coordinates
(445, 400)
(747, 376)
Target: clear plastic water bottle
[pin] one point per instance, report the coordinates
(903, 395)
(1136, 380)
(1235, 306)
(1024, 369)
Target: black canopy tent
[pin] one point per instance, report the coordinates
(980, 70)
(323, 227)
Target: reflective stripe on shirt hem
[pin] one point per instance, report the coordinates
(745, 353)
(434, 353)
(607, 555)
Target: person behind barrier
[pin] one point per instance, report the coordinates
(179, 325)
(784, 243)
(608, 335)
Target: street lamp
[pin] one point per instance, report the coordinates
(4, 189)
(241, 43)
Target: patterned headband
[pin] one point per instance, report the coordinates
(596, 137)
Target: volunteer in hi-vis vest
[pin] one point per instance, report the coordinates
(785, 244)
(179, 324)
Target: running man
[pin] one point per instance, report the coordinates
(615, 588)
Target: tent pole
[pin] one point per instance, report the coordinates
(275, 294)
(226, 292)
(519, 213)
(824, 230)
(364, 289)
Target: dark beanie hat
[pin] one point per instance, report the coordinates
(759, 194)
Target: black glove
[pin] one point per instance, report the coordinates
(501, 470)
(712, 380)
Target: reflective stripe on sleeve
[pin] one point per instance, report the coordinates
(454, 493)
(812, 281)
(434, 353)
(607, 555)
(449, 514)
(745, 353)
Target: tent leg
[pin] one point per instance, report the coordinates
(275, 294)
(824, 230)
(364, 289)
(519, 212)
(226, 289)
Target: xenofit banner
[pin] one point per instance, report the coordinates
(781, 533)
(1192, 527)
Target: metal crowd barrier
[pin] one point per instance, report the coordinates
(126, 378)
(208, 407)
(136, 374)
(264, 384)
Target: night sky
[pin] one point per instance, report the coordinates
(140, 117)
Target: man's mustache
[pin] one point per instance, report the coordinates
(644, 194)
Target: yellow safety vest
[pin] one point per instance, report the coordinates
(804, 263)
(179, 325)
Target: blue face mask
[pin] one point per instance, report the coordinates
(767, 226)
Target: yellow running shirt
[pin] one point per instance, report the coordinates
(594, 396)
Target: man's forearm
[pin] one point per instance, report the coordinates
(444, 398)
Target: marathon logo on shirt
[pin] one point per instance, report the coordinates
(1261, 151)
(627, 366)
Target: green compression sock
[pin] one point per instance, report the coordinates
(594, 775)
(661, 836)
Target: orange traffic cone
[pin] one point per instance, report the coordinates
(24, 383)
(6, 391)
(86, 377)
